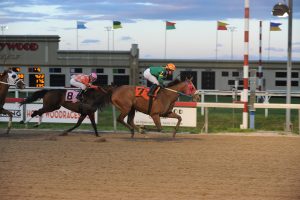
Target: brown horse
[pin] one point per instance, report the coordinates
(53, 99)
(126, 101)
(8, 78)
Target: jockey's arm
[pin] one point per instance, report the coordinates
(92, 86)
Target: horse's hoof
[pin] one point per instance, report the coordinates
(21, 122)
(36, 126)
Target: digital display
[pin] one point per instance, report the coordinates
(34, 69)
(36, 80)
(21, 76)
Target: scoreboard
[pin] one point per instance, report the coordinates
(36, 80)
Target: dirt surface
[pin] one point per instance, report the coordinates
(45, 166)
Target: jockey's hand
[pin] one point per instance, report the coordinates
(92, 86)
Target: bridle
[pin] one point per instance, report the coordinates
(180, 93)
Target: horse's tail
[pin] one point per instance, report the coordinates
(35, 96)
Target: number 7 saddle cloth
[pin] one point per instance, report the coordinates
(142, 91)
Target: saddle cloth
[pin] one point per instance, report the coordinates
(142, 91)
(71, 95)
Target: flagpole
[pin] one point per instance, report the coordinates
(165, 43)
(217, 42)
(113, 45)
(269, 43)
(77, 38)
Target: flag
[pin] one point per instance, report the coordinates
(117, 24)
(222, 26)
(275, 26)
(81, 25)
(170, 25)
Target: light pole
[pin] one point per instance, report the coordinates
(232, 29)
(282, 10)
(3, 28)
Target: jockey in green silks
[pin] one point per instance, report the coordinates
(157, 75)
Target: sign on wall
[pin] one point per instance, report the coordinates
(62, 115)
(188, 115)
(16, 111)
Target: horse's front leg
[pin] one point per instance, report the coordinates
(178, 117)
(156, 119)
(10, 115)
(81, 118)
(92, 119)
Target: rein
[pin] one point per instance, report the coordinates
(180, 93)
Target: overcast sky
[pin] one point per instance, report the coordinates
(144, 24)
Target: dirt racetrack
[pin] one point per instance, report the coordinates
(44, 166)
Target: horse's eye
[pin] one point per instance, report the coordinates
(14, 76)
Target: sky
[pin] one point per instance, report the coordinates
(144, 23)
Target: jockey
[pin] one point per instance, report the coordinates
(156, 75)
(83, 82)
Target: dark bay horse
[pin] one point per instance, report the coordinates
(53, 99)
(126, 101)
(8, 78)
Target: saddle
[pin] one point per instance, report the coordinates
(142, 91)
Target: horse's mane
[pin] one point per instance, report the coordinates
(105, 96)
(174, 82)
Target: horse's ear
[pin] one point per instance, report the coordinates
(191, 78)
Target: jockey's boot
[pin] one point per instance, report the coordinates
(152, 90)
(80, 95)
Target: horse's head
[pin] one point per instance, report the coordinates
(191, 90)
(10, 77)
(13, 79)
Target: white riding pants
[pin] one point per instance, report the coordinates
(77, 84)
(150, 77)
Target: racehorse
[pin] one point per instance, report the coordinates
(8, 78)
(53, 99)
(124, 98)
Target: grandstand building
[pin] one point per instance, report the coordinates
(38, 60)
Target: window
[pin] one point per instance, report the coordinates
(119, 71)
(230, 82)
(241, 82)
(54, 70)
(121, 80)
(76, 70)
(235, 74)
(101, 80)
(259, 73)
(225, 74)
(280, 74)
(57, 80)
(98, 70)
(295, 75)
(294, 83)
(280, 83)
(36, 80)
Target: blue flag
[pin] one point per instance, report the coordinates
(81, 25)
